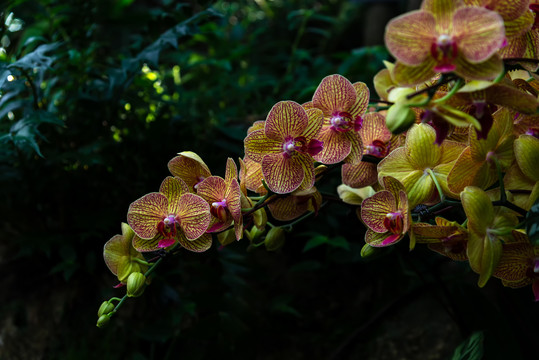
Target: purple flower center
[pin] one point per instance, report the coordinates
(444, 51)
(219, 210)
(167, 229)
(342, 121)
(377, 148)
(299, 144)
(394, 222)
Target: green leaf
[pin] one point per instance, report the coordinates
(471, 348)
(532, 223)
(315, 242)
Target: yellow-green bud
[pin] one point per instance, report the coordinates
(368, 250)
(105, 308)
(135, 284)
(103, 320)
(274, 239)
(399, 118)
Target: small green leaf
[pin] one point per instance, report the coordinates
(532, 223)
(471, 348)
(315, 242)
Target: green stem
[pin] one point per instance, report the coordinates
(147, 273)
(288, 227)
(438, 187)
(452, 92)
(503, 196)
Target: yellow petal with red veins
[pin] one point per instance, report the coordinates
(405, 75)
(335, 93)
(409, 37)
(480, 33)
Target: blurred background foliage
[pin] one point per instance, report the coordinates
(97, 96)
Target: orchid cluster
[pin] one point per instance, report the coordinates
(454, 126)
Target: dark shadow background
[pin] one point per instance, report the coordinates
(113, 101)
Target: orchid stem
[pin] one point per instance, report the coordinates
(452, 92)
(438, 187)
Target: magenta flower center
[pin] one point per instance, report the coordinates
(299, 144)
(167, 226)
(219, 210)
(377, 148)
(394, 222)
(444, 51)
(199, 180)
(342, 121)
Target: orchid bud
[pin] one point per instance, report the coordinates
(399, 118)
(135, 284)
(367, 251)
(103, 320)
(274, 239)
(105, 308)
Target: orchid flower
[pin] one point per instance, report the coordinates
(159, 219)
(286, 146)
(445, 36)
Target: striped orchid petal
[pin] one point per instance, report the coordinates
(286, 118)
(257, 144)
(409, 37)
(480, 33)
(189, 167)
(283, 174)
(146, 213)
(335, 93)
(375, 208)
(336, 146)
(198, 245)
(173, 189)
(194, 215)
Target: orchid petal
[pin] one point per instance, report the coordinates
(231, 170)
(514, 262)
(286, 118)
(480, 33)
(486, 70)
(527, 155)
(362, 102)
(356, 147)
(375, 239)
(232, 196)
(145, 213)
(408, 37)
(212, 189)
(283, 174)
(147, 245)
(420, 147)
(359, 175)
(189, 167)
(194, 214)
(198, 245)
(316, 119)
(257, 145)
(406, 75)
(335, 93)
(336, 146)
(173, 188)
(375, 208)
(518, 26)
(443, 11)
